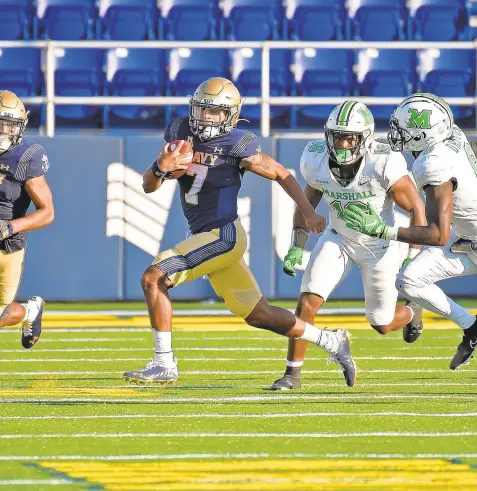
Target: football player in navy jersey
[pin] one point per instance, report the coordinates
(23, 165)
(209, 191)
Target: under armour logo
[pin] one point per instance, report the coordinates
(218, 150)
(473, 344)
(4, 167)
(33, 340)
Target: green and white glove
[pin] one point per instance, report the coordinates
(293, 257)
(365, 221)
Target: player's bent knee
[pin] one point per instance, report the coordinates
(379, 321)
(153, 278)
(308, 304)
(260, 316)
(380, 329)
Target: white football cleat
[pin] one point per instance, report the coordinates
(31, 326)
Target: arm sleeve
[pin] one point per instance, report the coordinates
(39, 165)
(33, 163)
(249, 145)
(433, 170)
(395, 169)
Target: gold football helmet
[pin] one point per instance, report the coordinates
(214, 108)
(13, 120)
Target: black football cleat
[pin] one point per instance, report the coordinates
(466, 348)
(413, 330)
(287, 382)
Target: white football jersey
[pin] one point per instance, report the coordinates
(379, 170)
(453, 160)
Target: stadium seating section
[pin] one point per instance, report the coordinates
(301, 72)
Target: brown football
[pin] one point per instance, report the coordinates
(186, 148)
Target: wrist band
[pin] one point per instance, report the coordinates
(299, 237)
(156, 170)
(392, 233)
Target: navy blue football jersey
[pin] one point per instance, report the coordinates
(23, 162)
(209, 189)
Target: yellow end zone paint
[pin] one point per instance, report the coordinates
(274, 475)
(219, 323)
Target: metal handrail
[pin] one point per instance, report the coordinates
(265, 100)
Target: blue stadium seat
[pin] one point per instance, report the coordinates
(189, 68)
(65, 19)
(438, 20)
(246, 75)
(190, 20)
(385, 73)
(20, 71)
(253, 20)
(134, 72)
(448, 73)
(320, 73)
(78, 72)
(376, 20)
(127, 20)
(473, 19)
(16, 18)
(315, 20)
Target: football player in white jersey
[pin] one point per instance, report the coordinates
(350, 167)
(445, 169)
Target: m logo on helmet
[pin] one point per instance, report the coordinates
(419, 119)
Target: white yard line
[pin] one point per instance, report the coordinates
(367, 434)
(77, 342)
(243, 399)
(122, 457)
(230, 372)
(72, 330)
(212, 359)
(249, 333)
(241, 416)
(35, 482)
(238, 349)
(316, 383)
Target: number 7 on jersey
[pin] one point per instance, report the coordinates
(200, 173)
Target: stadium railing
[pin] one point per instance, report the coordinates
(51, 100)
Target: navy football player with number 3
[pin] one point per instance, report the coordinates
(209, 192)
(23, 165)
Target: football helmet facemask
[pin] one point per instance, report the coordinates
(214, 108)
(13, 120)
(420, 121)
(348, 119)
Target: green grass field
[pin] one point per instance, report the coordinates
(69, 421)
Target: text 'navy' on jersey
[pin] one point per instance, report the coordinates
(209, 189)
(23, 162)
